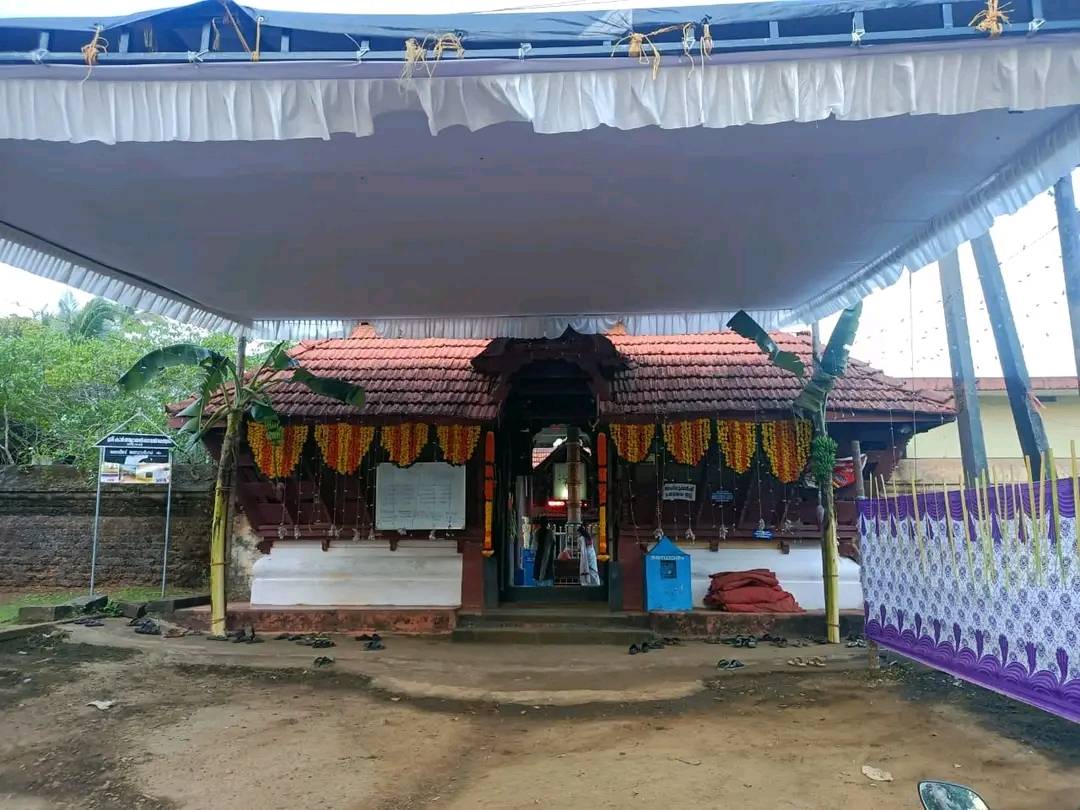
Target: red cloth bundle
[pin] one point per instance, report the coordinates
(754, 591)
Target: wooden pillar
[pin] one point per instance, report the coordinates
(1029, 426)
(965, 391)
(856, 460)
(1069, 234)
(489, 492)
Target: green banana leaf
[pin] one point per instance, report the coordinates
(181, 354)
(278, 359)
(742, 324)
(833, 363)
(341, 390)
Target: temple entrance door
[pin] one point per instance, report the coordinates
(550, 483)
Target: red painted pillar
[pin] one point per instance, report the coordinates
(472, 577)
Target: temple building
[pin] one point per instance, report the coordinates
(430, 497)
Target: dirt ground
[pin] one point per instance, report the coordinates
(199, 735)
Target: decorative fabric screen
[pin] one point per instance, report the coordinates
(787, 445)
(687, 441)
(633, 442)
(404, 442)
(738, 441)
(981, 585)
(344, 445)
(458, 442)
(276, 460)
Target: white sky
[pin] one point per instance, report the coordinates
(1027, 245)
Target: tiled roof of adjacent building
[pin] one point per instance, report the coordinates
(719, 374)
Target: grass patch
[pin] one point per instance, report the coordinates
(9, 605)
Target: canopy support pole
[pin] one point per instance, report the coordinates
(1069, 233)
(965, 391)
(1029, 426)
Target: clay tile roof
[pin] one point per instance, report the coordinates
(724, 374)
(431, 379)
(707, 375)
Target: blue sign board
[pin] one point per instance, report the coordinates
(722, 496)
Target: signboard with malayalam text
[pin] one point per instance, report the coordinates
(679, 492)
(135, 458)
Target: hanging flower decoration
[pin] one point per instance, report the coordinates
(458, 442)
(343, 445)
(276, 459)
(405, 441)
(787, 444)
(633, 442)
(687, 441)
(738, 440)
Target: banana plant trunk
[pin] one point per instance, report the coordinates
(219, 527)
(830, 552)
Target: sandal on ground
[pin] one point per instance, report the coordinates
(282, 637)
(729, 663)
(816, 661)
(672, 641)
(321, 643)
(323, 661)
(712, 640)
(796, 662)
(634, 649)
(654, 644)
(374, 644)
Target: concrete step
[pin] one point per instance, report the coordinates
(518, 617)
(552, 634)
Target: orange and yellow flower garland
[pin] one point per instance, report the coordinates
(276, 459)
(344, 445)
(687, 441)
(787, 444)
(633, 442)
(458, 442)
(404, 442)
(738, 440)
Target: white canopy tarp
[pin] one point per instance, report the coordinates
(297, 199)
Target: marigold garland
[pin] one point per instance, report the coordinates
(633, 442)
(687, 441)
(276, 459)
(787, 445)
(738, 440)
(344, 445)
(404, 442)
(458, 442)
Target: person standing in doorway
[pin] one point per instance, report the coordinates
(588, 569)
(544, 561)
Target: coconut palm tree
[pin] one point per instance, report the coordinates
(811, 404)
(225, 398)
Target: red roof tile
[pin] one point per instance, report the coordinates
(710, 374)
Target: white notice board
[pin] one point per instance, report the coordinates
(428, 495)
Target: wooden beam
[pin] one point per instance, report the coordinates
(1069, 234)
(856, 461)
(1029, 426)
(965, 391)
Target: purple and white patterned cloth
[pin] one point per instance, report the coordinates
(997, 604)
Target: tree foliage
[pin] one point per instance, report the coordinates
(58, 373)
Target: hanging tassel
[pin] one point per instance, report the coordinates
(97, 45)
(258, 39)
(991, 20)
(215, 43)
(642, 48)
(706, 42)
(148, 39)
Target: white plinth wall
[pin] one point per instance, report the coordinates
(421, 573)
(799, 572)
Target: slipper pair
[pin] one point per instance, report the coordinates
(816, 661)
(369, 637)
(89, 621)
(374, 644)
(323, 661)
(639, 648)
(729, 663)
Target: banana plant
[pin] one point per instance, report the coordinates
(225, 397)
(811, 404)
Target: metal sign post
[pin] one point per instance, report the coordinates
(138, 459)
(97, 519)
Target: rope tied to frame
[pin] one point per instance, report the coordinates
(992, 19)
(641, 46)
(96, 46)
(706, 41)
(416, 52)
(258, 39)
